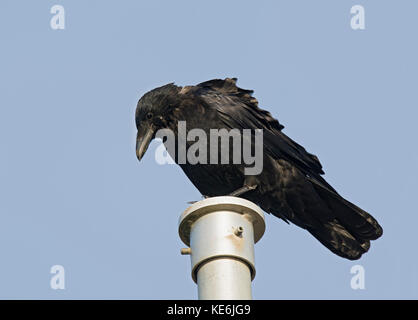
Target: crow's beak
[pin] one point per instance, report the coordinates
(143, 139)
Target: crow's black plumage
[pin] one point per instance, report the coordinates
(290, 185)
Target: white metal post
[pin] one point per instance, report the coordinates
(220, 233)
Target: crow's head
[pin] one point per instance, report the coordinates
(151, 114)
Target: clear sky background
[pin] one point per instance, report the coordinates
(72, 192)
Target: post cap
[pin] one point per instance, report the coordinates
(223, 203)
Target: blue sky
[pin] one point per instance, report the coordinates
(72, 192)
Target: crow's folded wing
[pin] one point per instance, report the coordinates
(237, 108)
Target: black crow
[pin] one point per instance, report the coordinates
(290, 185)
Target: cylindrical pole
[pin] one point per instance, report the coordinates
(221, 232)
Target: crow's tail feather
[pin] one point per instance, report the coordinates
(350, 229)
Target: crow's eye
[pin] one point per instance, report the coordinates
(149, 115)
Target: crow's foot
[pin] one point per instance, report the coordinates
(204, 197)
(242, 190)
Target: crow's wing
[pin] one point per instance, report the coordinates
(239, 109)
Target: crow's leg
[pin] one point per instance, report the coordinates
(235, 193)
(242, 190)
